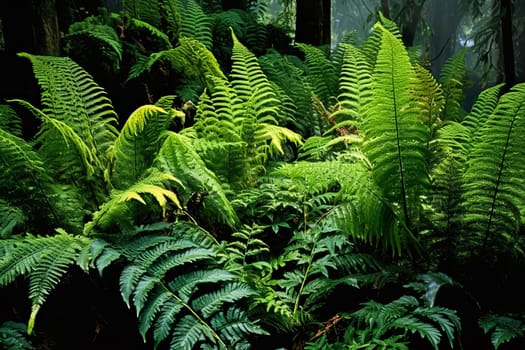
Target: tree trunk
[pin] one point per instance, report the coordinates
(31, 26)
(233, 4)
(507, 44)
(313, 22)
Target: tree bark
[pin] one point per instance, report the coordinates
(507, 44)
(313, 22)
(31, 26)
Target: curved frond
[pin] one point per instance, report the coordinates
(178, 157)
(116, 210)
(180, 293)
(138, 143)
(44, 259)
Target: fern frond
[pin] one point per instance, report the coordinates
(321, 73)
(13, 336)
(503, 327)
(117, 208)
(251, 84)
(44, 259)
(153, 31)
(354, 85)
(493, 190)
(187, 308)
(453, 79)
(195, 23)
(138, 143)
(395, 138)
(177, 156)
(10, 121)
(101, 36)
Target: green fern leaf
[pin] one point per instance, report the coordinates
(117, 207)
(395, 138)
(138, 143)
(493, 190)
(453, 79)
(188, 332)
(354, 85)
(321, 73)
(178, 157)
(210, 303)
(251, 84)
(195, 23)
(44, 259)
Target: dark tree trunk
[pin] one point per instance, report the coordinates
(313, 22)
(31, 26)
(385, 8)
(233, 4)
(507, 44)
(409, 28)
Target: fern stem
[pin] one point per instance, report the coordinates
(196, 315)
(496, 189)
(398, 141)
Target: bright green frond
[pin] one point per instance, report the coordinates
(395, 136)
(137, 144)
(251, 84)
(116, 210)
(178, 157)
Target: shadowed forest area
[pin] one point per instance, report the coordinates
(262, 174)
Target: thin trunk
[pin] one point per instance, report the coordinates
(507, 43)
(313, 22)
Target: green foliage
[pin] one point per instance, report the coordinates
(322, 73)
(453, 79)
(178, 157)
(44, 260)
(503, 328)
(395, 137)
(406, 315)
(196, 306)
(493, 188)
(13, 337)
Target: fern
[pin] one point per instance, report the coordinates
(354, 85)
(13, 337)
(395, 138)
(10, 121)
(321, 73)
(117, 210)
(503, 328)
(177, 156)
(81, 36)
(194, 306)
(453, 80)
(44, 259)
(147, 11)
(195, 23)
(78, 123)
(138, 143)
(408, 315)
(250, 83)
(492, 187)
